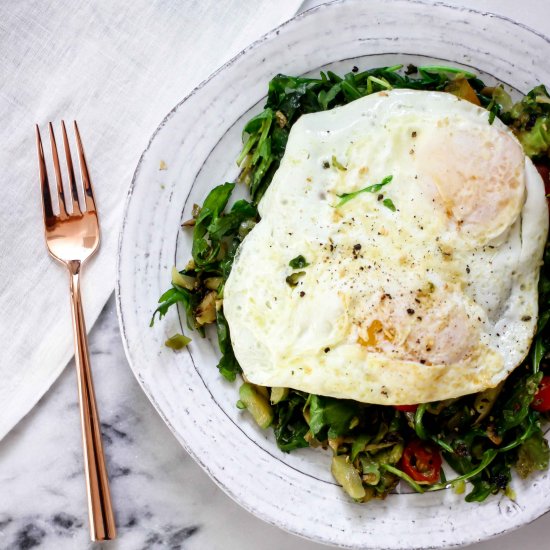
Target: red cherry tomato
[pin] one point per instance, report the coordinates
(421, 461)
(541, 401)
(406, 408)
(544, 172)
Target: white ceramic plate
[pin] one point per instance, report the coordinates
(199, 140)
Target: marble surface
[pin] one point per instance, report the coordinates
(163, 500)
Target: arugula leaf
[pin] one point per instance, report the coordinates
(345, 197)
(516, 407)
(227, 263)
(537, 353)
(228, 224)
(228, 364)
(175, 295)
(488, 456)
(494, 478)
(258, 122)
(298, 263)
(481, 490)
(290, 424)
(264, 160)
(529, 426)
(388, 203)
(214, 203)
(418, 422)
(405, 477)
(325, 97)
(203, 251)
(330, 417)
(440, 69)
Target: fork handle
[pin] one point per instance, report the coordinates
(102, 521)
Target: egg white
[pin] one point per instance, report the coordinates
(434, 300)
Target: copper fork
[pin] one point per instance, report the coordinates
(71, 238)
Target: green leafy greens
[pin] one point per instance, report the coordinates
(345, 197)
(298, 263)
(388, 203)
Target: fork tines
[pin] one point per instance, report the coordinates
(89, 201)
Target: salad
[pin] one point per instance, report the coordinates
(483, 437)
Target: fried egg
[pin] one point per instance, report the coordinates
(419, 290)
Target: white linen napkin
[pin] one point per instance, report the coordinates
(117, 68)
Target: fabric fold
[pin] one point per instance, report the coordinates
(117, 68)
